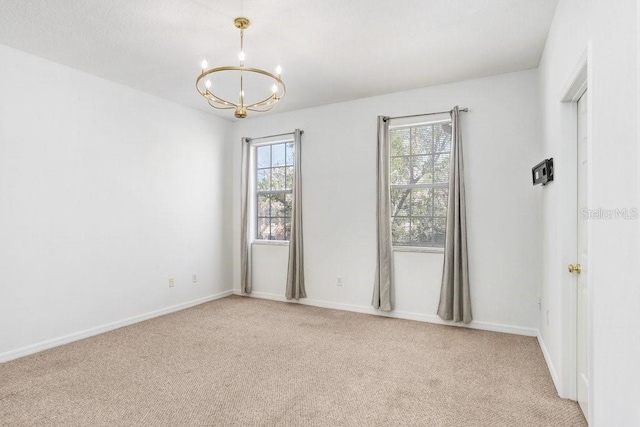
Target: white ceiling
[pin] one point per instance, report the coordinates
(330, 50)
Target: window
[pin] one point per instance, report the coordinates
(274, 181)
(419, 178)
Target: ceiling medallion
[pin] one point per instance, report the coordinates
(204, 83)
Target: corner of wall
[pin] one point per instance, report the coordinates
(552, 370)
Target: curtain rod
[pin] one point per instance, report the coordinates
(465, 110)
(273, 136)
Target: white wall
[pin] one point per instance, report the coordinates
(565, 45)
(105, 193)
(615, 294)
(610, 36)
(501, 143)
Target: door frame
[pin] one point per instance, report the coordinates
(578, 83)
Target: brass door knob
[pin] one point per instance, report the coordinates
(575, 268)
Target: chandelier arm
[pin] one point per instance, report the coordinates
(219, 101)
(266, 101)
(271, 99)
(227, 107)
(208, 94)
(264, 110)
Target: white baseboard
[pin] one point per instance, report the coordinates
(55, 342)
(552, 369)
(429, 318)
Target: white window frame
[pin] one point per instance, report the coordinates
(409, 247)
(255, 192)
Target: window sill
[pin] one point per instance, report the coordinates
(271, 242)
(418, 249)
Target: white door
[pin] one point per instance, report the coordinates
(582, 270)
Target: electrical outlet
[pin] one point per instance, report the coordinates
(194, 278)
(172, 282)
(339, 281)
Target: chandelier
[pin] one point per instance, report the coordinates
(259, 103)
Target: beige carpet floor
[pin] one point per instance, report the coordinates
(248, 362)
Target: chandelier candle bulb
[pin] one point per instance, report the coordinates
(278, 70)
(241, 56)
(204, 64)
(208, 84)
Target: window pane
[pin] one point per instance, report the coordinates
(277, 229)
(439, 229)
(289, 178)
(442, 137)
(400, 141)
(288, 204)
(287, 229)
(440, 200)
(289, 153)
(441, 167)
(263, 228)
(421, 202)
(400, 202)
(421, 169)
(400, 170)
(263, 206)
(264, 156)
(277, 205)
(264, 180)
(421, 231)
(277, 155)
(400, 230)
(421, 140)
(277, 178)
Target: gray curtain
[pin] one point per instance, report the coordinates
(455, 301)
(383, 281)
(295, 271)
(245, 244)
